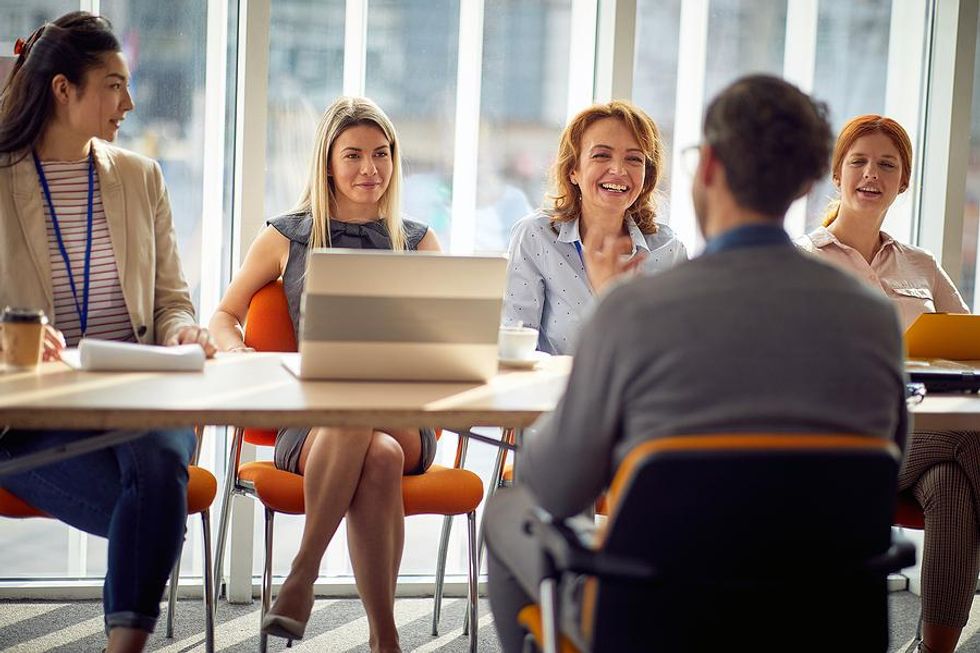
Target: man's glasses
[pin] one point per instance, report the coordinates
(690, 157)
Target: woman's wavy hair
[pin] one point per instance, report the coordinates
(865, 126)
(566, 202)
(69, 46)
(318, 197)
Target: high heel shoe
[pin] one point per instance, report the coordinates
(285, 627)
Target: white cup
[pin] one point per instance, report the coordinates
(516, 343)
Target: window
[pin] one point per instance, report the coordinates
(686, 52)
(411, 74)
(971, 204)
(306, 64)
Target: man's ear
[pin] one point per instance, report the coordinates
(708, 165)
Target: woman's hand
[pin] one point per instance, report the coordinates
(608, 262)
(54, 342)
(189, 335)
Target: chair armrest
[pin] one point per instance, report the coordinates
(564, 551)
(900, 555)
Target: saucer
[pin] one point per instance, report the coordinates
(524, 363)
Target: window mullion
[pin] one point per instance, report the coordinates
(355, 47)
(469, 74)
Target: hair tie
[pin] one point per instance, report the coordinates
(19, 47)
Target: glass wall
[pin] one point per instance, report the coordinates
(716, 41)
(306, 73)
(971, 204)
(522, 111)
(411, 74)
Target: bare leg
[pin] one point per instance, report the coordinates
(939, 639)
(331, 464)
(375, 537)
(126, 640)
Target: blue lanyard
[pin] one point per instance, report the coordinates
(82, 307)
(578, 248)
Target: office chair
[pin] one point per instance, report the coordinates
(440, 490)
(709, 533)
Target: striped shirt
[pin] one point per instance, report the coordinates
(108, 317)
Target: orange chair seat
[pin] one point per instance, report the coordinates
(260, 437)
(13, 506)
(508, 475)
(530, 618)
(908, 513)
(440, 491)
(201, 490)
(202, 487)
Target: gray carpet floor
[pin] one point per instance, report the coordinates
(336, 625)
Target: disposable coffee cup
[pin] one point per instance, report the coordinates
(516, 343)
(22, 337)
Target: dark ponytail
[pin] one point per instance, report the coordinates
(69, 46)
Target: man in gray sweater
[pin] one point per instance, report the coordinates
(750, 336)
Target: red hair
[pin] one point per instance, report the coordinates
(865, 126)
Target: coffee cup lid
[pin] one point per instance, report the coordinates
(23, 315)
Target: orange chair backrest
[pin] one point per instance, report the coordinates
(268, 327)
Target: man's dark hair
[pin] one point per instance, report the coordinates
(772, 139)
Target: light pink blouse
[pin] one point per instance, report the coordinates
(909, 276)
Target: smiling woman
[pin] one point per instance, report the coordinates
(600, 227)
(871, 166)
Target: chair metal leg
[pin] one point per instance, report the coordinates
(172, 596)
(208, 584)
(508, 435)
(266, 578)
(549, 615)
(226, 499)
(447, 525)
(473, 570)
(914, 644)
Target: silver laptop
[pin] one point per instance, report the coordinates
(380, 315)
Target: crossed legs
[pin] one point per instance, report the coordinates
(355, 472)
(943, 471)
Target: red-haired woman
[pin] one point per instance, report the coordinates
(872, 164)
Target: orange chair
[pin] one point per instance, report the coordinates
(439, 491)
(201, 490)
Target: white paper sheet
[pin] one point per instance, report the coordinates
(109, 356)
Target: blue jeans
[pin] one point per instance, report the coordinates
(134, 494)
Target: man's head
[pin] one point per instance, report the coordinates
(765, 143)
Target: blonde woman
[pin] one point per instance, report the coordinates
(600, 224)
(871, 166)
(351, 200)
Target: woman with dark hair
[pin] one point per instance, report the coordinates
(86, 235)
(872, 165)
(600, 226)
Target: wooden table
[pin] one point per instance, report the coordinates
(256, 390)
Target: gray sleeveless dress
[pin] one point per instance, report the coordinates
(370, 235)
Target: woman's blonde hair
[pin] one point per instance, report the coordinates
(318, 197)
(865, 126)
(566, 202)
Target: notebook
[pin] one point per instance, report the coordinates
(380, 315)
(951, 336)
(940, 375)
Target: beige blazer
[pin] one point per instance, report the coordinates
(137, 209)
